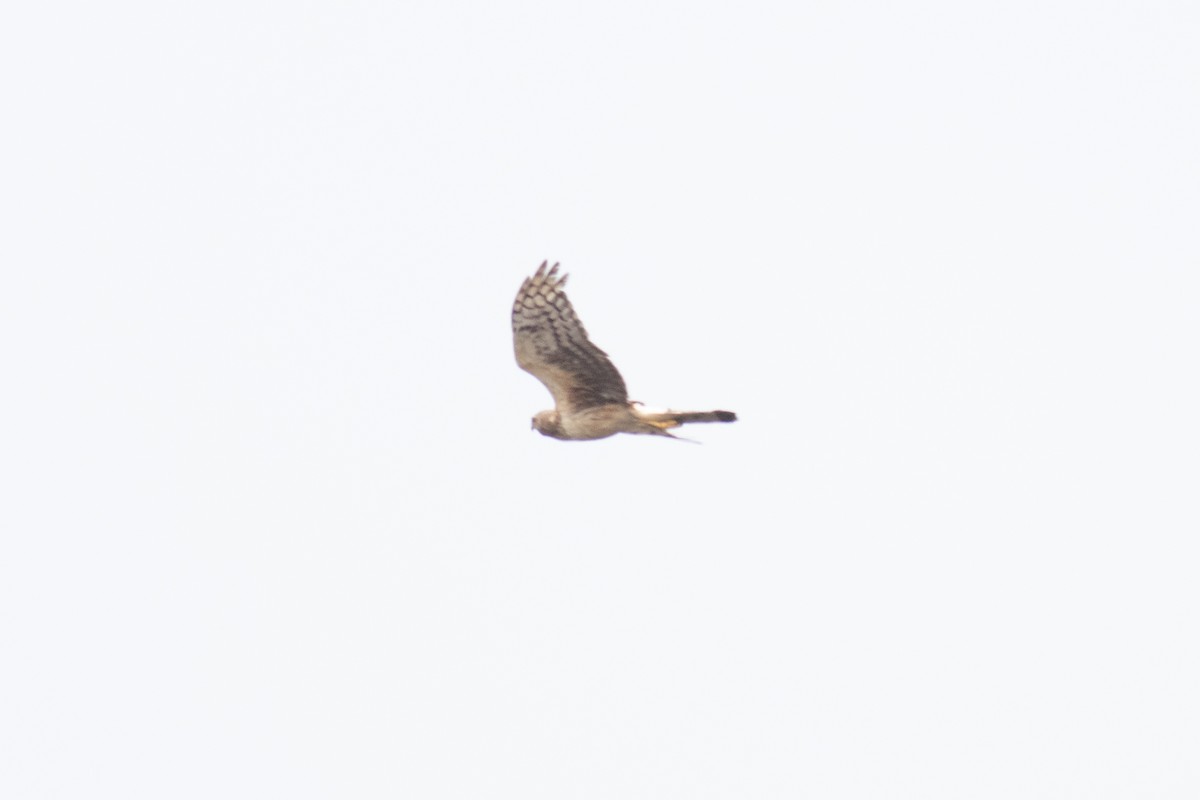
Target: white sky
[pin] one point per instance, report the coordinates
(276, 525)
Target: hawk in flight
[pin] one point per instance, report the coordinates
(590, 401)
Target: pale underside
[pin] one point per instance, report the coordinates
(590, 399)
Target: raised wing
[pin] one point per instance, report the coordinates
(552, 345)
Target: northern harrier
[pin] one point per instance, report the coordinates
(590, 401)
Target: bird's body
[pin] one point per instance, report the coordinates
(590, 399)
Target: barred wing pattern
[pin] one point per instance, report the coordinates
(552, 345)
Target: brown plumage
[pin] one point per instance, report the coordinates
(590, 400)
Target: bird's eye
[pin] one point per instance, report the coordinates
(532, 423)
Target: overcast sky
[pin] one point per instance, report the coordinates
(275, 523)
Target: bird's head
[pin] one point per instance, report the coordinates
(548, 423)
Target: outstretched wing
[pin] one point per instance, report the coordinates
(552, 345)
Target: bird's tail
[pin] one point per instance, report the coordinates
(673, 419)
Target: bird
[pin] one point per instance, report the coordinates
(590, 399)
